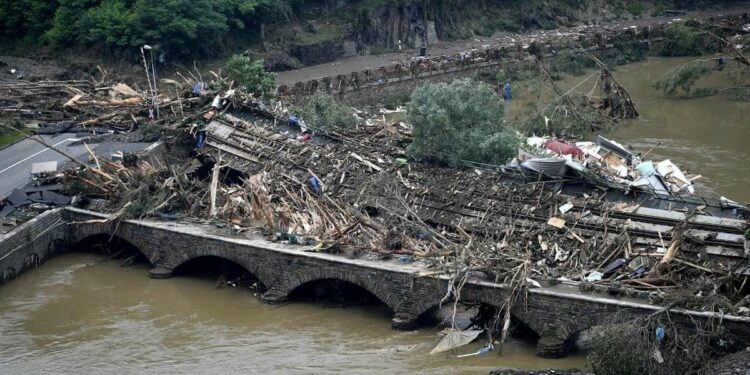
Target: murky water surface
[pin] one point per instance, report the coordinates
(708, 136)
(78, 314)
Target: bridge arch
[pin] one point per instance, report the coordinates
(392, 301)
(329, 289)
(211, 256)
(111, 246)
(518, 312)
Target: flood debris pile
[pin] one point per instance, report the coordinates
(91, 107)
(605, 163)
(569, 114)
(248, 165)
(589, 38)
(655, 346)
(354, 191)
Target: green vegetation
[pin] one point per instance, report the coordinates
(251, 75)
(459, 121)
(322, 112)
(318, 34)
(394, 101)
(9, 137)
(682, 81)
(150, 132)
(625, 52)
(181, 27)
(570, 62)
(681, 39)
(636, 8)
(203, 28)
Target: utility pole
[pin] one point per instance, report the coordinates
(148, 77)
(155, 90)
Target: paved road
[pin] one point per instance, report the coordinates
(16, 160)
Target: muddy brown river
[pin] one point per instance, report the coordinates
(705, 136)
(80, 314)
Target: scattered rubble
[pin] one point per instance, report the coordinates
(604, 163)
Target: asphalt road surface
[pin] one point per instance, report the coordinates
(16, 160)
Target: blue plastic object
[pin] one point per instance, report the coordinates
(200, 139)
(659, 334)
(486, 349)
(315, 185)
(293, 121)
(197, 88)
(507, 91)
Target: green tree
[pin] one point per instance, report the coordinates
(26, 19)
(460, 121)
(251, 75)
(180, 27)
(322, 112)
(683, 40)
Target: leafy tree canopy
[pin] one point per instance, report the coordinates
(181, 27)
(250, 75)
(460, 121)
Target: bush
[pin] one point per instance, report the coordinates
(251, 75)
(683, 40)
(395, 100)
(460, 121)
(150, 132)
(322, 112)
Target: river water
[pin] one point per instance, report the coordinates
(706, 136)
(80, 314)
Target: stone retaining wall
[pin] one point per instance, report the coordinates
(361, 87)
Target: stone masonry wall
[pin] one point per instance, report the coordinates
(555, 313)
(31, 244)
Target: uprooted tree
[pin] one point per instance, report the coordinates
(686, 80)
(571, 114)
(458, 122)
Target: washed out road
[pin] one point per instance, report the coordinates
(17, 159)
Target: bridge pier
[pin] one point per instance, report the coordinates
(274, 297)
(552, 344)
(160, 272)
(405, 322)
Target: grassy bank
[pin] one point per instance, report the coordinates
(8, 137)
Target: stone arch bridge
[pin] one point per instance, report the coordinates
(555, 313)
